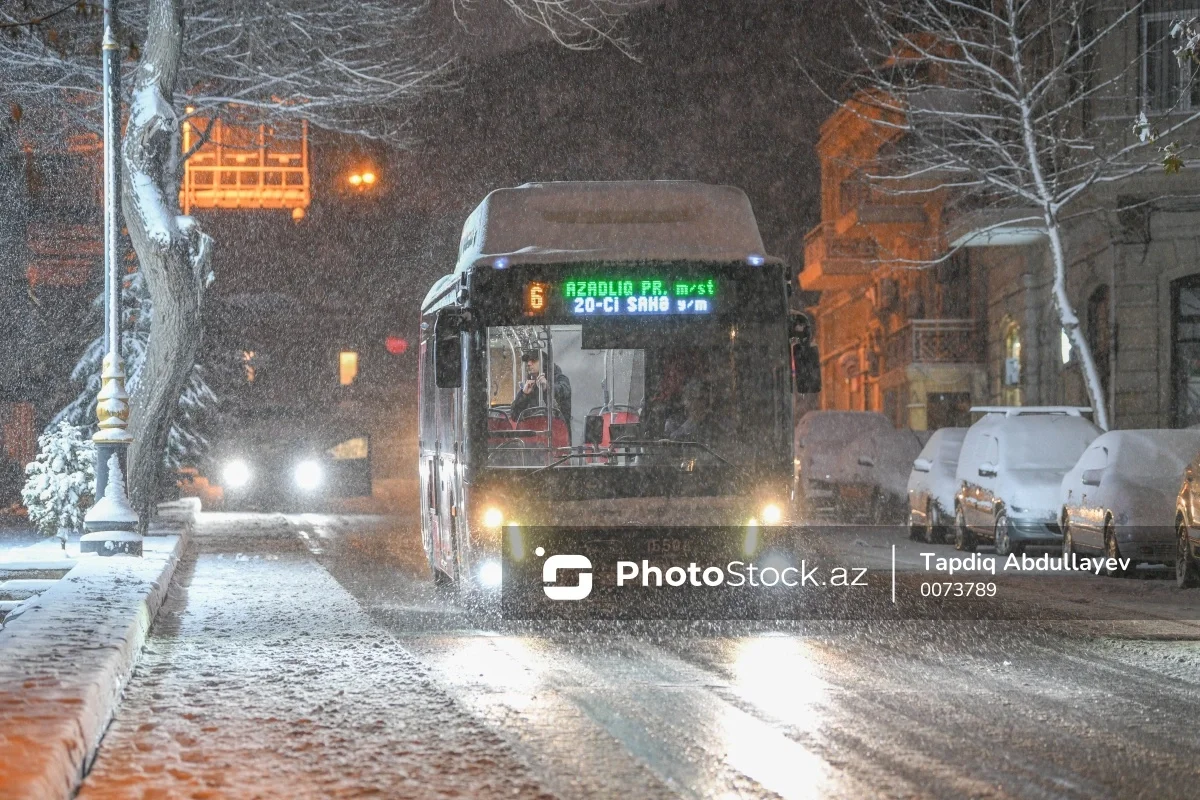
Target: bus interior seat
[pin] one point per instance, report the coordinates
(534, 419)
(498, 420)
(614, 415)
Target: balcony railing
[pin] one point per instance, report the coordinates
(832, 261)
(933, 341)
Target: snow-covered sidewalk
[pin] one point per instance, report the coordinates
(65, 661)
(263, 677)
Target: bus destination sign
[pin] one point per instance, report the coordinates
(630, 296)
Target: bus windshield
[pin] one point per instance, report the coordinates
(624, 394)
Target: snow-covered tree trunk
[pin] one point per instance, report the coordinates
(1040, 188)
(172, 251)
(1070, 324)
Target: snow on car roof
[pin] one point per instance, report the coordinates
(574, 221)
(947, 443)
(1150, 452)
(1022, 411)
(1043, 441)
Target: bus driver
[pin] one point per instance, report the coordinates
(531, 392)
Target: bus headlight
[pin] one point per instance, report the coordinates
(493, 517)
(236, 474)
(308, 475)
(491, 573)
(772, 514)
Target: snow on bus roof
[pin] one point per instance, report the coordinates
(574, 221)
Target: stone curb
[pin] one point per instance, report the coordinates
(65, 660)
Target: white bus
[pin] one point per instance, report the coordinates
(605, 353)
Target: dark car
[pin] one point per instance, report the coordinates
(274, 462)
(1187, 528)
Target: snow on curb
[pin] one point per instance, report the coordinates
(65, 661)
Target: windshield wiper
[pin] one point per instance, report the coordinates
(709, 450)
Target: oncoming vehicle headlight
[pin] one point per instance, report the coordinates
(308, 475)
(772, 514)
(236, 474)
(493, 517)
(491, 574)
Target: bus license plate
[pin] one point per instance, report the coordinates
(664, 546)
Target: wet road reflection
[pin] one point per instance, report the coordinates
(815, 709)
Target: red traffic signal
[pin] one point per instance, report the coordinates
(396, 345)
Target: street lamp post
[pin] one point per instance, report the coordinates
(111, 522)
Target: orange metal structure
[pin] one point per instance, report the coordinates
(241, 167)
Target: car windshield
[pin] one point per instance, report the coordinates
(627, 395)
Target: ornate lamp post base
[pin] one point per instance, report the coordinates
(111, 523)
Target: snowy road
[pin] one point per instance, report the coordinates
(321, 663)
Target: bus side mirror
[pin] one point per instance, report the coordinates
(447, 349)
(806, 368)
(806, 361)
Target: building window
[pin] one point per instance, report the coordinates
(1099, 333)
(248, 365)
(1011, 367)
(1185, 352)
(347, 367)
(1166, 86)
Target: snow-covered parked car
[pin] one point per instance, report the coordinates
(1119, 499)
(932, 485)
(821, 436)
(871, 474)
(1010, 475)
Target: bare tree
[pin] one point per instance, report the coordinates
(350, 66)
(994, 104)
(575, 24)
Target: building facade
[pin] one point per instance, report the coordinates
(924, 334)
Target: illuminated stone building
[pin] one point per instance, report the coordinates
(898, 329)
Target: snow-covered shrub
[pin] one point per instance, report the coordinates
(60, 481)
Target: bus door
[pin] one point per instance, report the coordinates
(429, 455)
(447, 472)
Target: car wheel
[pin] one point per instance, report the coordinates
(1068, 540)
(1112, 550)
(964, 540)
(933, 526)
(1186, 574)
(1002, 536)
